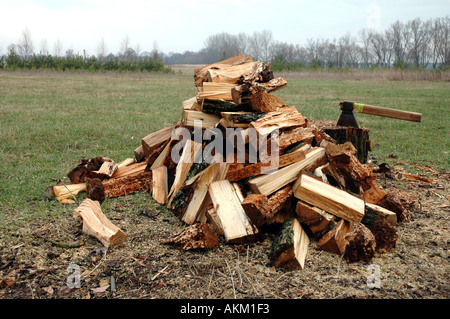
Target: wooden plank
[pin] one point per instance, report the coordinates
(329, 198)
(235, 223)
(268, 183)
(96, 224)
(160, 184)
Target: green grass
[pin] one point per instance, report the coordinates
(50, 121)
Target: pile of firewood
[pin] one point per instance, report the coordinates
(319, 189)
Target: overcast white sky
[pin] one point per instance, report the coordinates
(180, 25)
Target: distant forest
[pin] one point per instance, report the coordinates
(414, 44)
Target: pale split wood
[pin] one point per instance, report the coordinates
(301, 242)
(96, 224)
(235, 223)
(329, 198)
(160, 184)
(268, 183)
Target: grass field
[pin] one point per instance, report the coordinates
(50, 121)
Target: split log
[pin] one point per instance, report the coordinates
(255, 206)
(191, 104)
(358, 177)
(317, 220)
(265, 102)
(197, 236)
(399, 202)
(361, 244)
(191, 151)
(374, 194)
(279, 202)
(154, 140)
(258, 168)
(128, 184)
(105, 171)
(215, 91)
(206, 120)
(244, 72)
(243, 93)
(384, 232)
(235, 223)
(372, 212)
(160, 185)
(290, 247)
(216, 107)
(130, 170)
(96, 224)
(290, 137)
(61, 192)
(191, 204)
(269, 183)
(334, 241)
(287, 117)
(201, 74)
(329, 198)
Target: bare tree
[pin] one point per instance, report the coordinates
(58, 48)
(101, 49)
(43, 47)
(26, 48)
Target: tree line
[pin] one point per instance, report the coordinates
(415, 44)
(22, 56)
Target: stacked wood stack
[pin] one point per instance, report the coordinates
(319, 192)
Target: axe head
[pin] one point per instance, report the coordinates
(347, 118)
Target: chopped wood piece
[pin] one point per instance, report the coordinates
(258, 168)
(216, 91)
(265, 102)
(268, 183)
(384, 232)
(197, 236)
(287, 117)
(244, 92)
(329, 198)
(372, 212)
(105, 171)
(290, 137)
(190, 152)
(334, 241)
(160, 184)
(361, 244)
(358, 177)
(78, 174)
(235, 223)
(399, 202)
(155, 139)
(277, 202)
(96, 224)
(115, 187)
(139, 153)
(374, 194)
(290, 247)
(201, 74)
(255, 206)
(192, 206)
(213, 219)
(216, 107)
(61, 192)
(317, 220)
(129, 170)
(207, 120)
(191, 104)
(232, 74)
